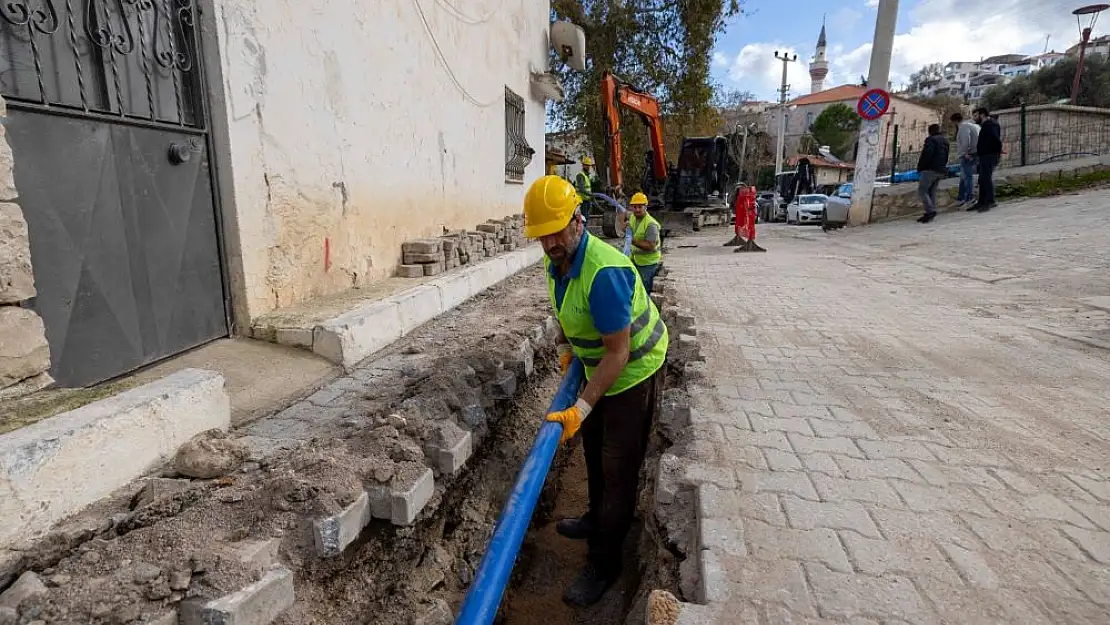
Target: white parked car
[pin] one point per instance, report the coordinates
(806, 209)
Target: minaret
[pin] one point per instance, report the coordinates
(819, 68)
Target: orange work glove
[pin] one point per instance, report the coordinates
(566, 354)
(571, 418)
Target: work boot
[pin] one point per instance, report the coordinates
(589, 587)
(577, 528)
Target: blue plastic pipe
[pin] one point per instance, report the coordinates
(482, 600)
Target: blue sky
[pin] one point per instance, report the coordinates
(927, 31)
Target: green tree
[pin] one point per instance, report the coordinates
(837, 127)
(661, 46)
(1052, 84)
(929, 73)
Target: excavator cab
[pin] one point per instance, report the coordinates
(702, 176)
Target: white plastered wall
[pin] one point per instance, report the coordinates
(343, 133)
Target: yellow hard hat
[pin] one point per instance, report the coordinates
(638, 199)
(549, 206)
(587, 160)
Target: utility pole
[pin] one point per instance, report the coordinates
(786, 59)
(878, 75)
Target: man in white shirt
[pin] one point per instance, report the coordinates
(967, 137)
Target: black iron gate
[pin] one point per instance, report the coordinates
(107, 121)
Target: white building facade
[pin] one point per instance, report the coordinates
(264, 154)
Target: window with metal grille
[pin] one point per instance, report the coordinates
(517, 151)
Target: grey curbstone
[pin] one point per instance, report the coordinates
(260, 603)
(406, 505)
(674, 414)
(334, 533)
(450, 461)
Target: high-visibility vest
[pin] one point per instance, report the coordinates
(647, 348)
(583, 183)
(639, 231)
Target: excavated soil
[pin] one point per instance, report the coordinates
(140, 553)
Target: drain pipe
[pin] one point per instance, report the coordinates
(627, 241)
(488, 587)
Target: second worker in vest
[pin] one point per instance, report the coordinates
(582, 181)
(611, 325)
(646, 240)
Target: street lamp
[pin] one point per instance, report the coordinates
(1084, 38)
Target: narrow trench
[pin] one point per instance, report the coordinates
(549, 563)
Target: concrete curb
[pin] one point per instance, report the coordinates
(401, 504)
(682, 490)
(355, 335)
(58, 466)
(260, 603)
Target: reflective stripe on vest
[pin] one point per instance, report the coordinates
(648, 343)
(639, 230)
(582, 183)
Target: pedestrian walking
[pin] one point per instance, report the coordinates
(989, 150)
(611, 325)
(967, 136)
(932, 167)
(646, 253)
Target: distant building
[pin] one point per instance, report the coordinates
(1099, 46)
(969, 80)
(828, 171)
(572, 146)
(912, 118)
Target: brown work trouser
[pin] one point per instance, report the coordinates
(614, 439)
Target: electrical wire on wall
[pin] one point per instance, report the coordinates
(447, 66)
(464, 18)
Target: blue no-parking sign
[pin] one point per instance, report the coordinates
(873, 104)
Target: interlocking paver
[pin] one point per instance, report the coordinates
(901, 425)
(846, 515)
(813, 545)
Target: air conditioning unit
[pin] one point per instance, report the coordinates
(569, 41)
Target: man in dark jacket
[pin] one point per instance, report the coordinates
(989, 149)
(932, 167)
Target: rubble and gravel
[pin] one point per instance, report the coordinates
(167, 540)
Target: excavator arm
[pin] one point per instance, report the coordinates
(615, 94)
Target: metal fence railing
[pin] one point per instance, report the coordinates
(1031, 135)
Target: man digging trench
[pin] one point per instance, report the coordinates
(611, 325)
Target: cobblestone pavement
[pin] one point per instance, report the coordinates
(893, 431)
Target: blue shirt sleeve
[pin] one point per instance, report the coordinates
(611, 299)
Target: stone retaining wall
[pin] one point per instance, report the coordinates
(24, 352)
(901, 200)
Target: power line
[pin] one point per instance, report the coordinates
(447, 66)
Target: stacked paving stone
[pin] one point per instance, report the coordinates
(429, 257)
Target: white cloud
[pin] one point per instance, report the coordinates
(872, 3)
(757, 70)
(936, 31)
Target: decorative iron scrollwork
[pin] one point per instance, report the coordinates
(44, 19)
(100, 22)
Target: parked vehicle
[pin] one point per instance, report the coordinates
(806, 209)
(766, 204)
(836, 208)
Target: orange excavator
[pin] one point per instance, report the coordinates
(686, 197)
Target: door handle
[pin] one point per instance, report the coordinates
(180, 153)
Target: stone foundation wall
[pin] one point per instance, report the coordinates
(901, 200)
(24, 352)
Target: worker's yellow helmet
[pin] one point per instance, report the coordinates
(587, 161)
(638, 199)
(549, 206)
